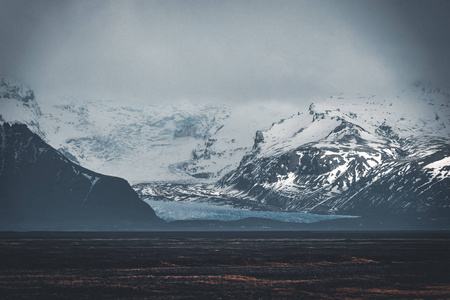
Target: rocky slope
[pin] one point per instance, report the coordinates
(40, 189)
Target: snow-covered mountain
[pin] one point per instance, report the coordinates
(353, 155)
(143, 143)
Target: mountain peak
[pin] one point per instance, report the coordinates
(13, 89)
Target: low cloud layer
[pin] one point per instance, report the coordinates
(222, 50)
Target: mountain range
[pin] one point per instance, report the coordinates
(363, 155)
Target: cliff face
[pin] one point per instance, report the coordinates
(41, 189)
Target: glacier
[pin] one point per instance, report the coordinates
(179, 211)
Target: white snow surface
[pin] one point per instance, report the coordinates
(440, 168)
(445, 162)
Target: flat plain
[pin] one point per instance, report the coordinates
(225, 265)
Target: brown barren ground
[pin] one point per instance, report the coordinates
(225, 265)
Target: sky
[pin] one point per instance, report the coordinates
(226, 51)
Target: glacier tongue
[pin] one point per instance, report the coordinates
(174, 211)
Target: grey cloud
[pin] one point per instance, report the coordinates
(223, 50)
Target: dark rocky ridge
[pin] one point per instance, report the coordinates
(40, 189)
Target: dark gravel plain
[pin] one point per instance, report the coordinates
(225, 265)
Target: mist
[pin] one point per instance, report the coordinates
(226, 51)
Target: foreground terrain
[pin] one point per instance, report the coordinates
(218, 265)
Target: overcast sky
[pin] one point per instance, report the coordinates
(223, 50)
